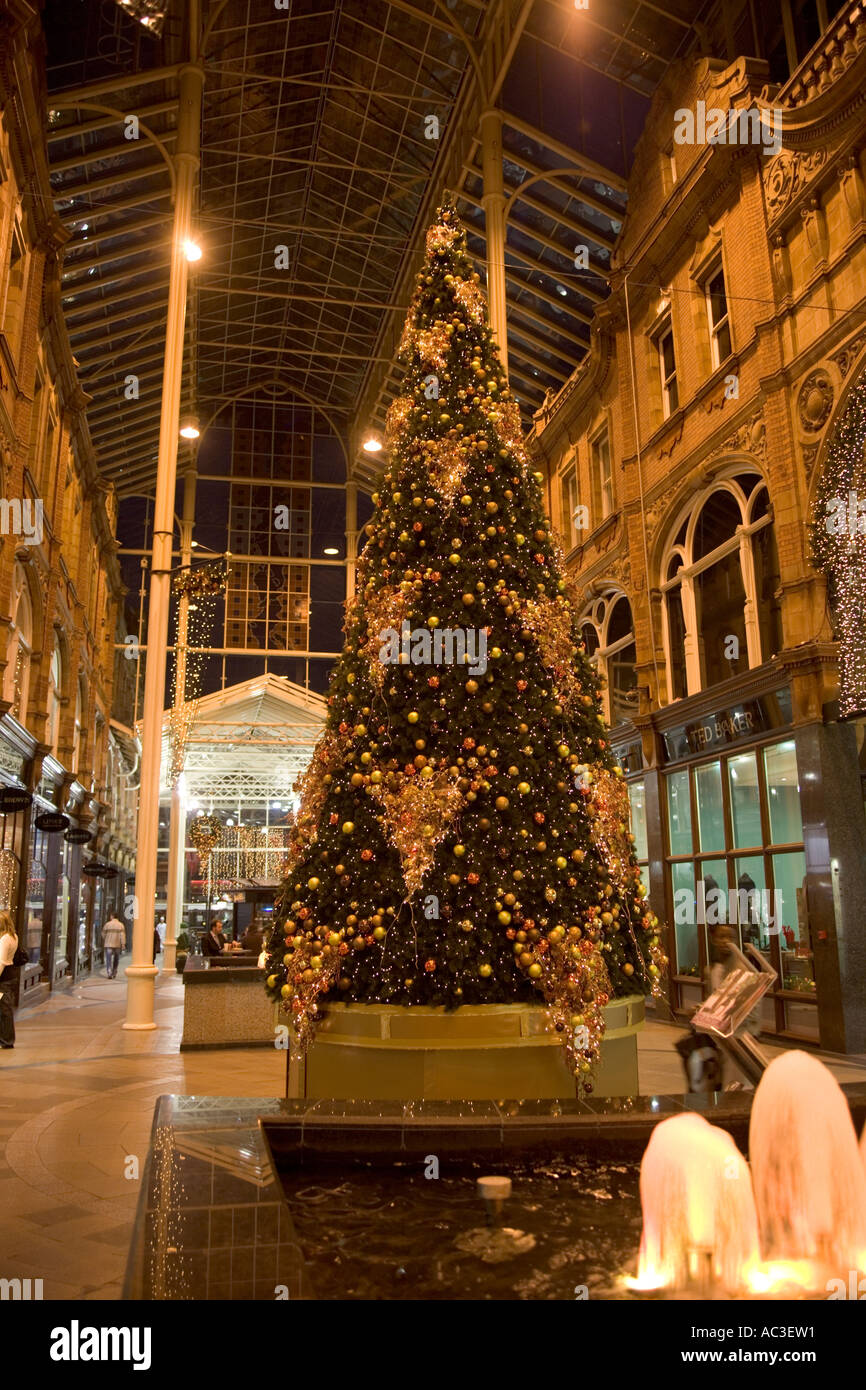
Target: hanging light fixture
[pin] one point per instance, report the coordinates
(189, 428)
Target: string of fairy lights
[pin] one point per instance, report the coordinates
(838, 540)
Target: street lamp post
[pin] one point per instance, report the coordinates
(142, 972)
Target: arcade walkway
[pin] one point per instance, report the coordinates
(76, 1105)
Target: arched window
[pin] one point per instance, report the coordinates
(608, 635)
(720, 582)
(55, 691)
(19, 651)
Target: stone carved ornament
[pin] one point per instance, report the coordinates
(787, 174)
(749, 438)
(815, 401)
(847, 356)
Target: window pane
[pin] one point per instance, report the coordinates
(721, 604)
(789, 872)
(679, 813)
(723, 340)
(745, 800)
(619, 624)
(668, 362)
(720, 516)
(637, 802)
(622, 679)
(677, 635)
(751, 908)
(711, 889)
(718, 301)
(711, 820)
(685, 927)
(783, 793)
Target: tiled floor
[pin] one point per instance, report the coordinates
(77, 1097)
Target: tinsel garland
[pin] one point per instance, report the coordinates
(312, 789)
(396, 420)
(417, 815)
(446, 463)
(549, 621)
(386, 608)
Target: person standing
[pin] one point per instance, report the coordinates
(157, 943)
(113, 942)
(8, 947)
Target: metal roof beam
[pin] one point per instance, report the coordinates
(93, 156)
(159, 195)
(106, 257)
(136, 344)
(545, 241)
(108, 426)
(556, 180)
(561, 304)
(157, 369)
(66, 132)
(122, 82)
(526, 311)
(518, 329)
(78, 190)
(530, 383)
(79, 287)
(75, 314)
(589, 167)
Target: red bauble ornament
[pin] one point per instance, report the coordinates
(429, 965)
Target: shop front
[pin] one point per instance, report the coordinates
(724, 815)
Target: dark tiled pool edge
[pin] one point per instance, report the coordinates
(225, 1222)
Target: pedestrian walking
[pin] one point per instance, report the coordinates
(113, 942)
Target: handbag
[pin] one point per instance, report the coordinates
(20, 957)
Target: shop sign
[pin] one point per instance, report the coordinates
(51, 821)
(95, 869)
(727, 726)
(78, 837)
(13, 799)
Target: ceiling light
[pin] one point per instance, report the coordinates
(193, 544)
(331, 550)
(189, 429)
(372, 445)
(192, 250)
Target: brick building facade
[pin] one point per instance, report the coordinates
(683, 458)
(61, 597)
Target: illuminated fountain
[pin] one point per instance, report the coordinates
(700, 1228)
(809, 1181)
(795, 1226)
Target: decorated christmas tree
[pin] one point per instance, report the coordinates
(462, 836)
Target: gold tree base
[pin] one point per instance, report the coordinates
(480, 1052)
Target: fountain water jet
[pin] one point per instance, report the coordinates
(809, 1181)
(700, 1227)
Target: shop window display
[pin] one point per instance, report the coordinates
(725, 820)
